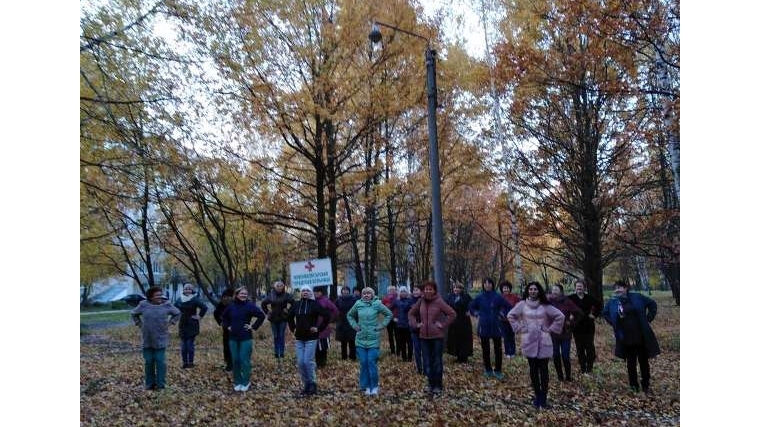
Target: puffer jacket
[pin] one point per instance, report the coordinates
(431, 317)
(363, 315)
(487, 306)
(535, 322)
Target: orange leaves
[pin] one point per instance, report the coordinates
(111, 391)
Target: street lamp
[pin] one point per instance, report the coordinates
(435, 176)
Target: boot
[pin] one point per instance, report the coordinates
(311, 389)
(542, 397)
(536, 399)
(558, 368)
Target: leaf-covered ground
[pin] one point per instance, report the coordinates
(111, 391)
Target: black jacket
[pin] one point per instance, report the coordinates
(305, 315)
(277, 304)
(589, 305)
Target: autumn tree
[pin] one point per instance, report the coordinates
(121, 135)
(574, 117)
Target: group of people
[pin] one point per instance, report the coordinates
(416, 323)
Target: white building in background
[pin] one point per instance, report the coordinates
(117, 287)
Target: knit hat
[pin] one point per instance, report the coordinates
(307, 287)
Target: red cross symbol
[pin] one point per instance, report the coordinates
(309, 266)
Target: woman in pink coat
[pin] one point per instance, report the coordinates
(535, 319)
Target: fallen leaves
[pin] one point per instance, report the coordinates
(111, 390)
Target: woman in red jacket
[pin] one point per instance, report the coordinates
(431, 316)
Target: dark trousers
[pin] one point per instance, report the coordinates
(187, 349)
(348, 349)
(404, 343)
(391, 328)
(634, 353)
(510, 348)
(584, 347)
(561, 357)
(485, 346)
(320, 356)
(432, 359)
(421, 368)
(539, 374)
(226, 349)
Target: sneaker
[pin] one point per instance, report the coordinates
(374, 391)
(245, 387)
(437, 391)
(488, 374)
(368, 392)
(498, 375)
(238, 387)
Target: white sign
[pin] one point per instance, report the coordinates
(315, 272)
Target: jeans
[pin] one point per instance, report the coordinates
(561, 349)
(432, 358)
(368, 376)
(510, 348)
(187, 349)
(307, 367)
(241, 361)
(278, 334)
(416, 346)
(155, 367)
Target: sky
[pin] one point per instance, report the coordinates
(39, 174)
(470, 28)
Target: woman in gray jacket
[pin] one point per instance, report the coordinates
(154, 316)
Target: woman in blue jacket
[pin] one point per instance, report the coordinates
(489, 306)
(630, 314)
(237, 319)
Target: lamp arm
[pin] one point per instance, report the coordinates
(401, 30)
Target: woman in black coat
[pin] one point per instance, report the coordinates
(343, 330)
(459, 340)
(192, 310)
